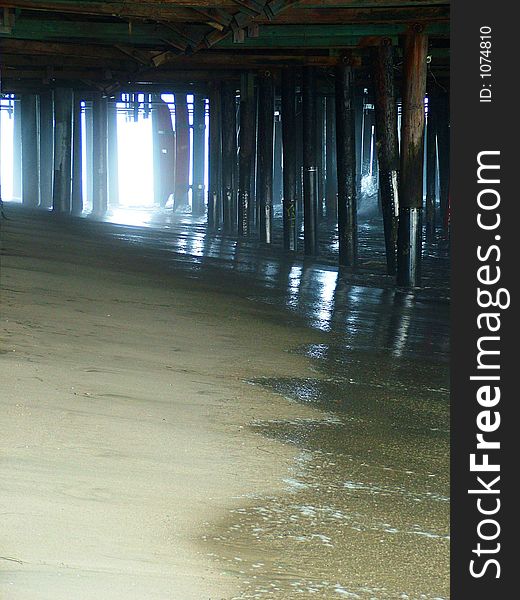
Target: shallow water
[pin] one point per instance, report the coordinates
(365, 513)
(365, 508)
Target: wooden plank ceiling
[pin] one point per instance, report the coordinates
(111, 44)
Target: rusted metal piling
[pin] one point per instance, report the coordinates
(409, 238)
(346, 164)
(290, 238)
(310, 179)
(387, 145)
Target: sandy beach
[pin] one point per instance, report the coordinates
(139, 462)
(124, 427)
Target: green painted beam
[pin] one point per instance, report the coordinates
(220, 3)
(126, 10)
(326, 36)
(299, 42)
(140, 33)
(363, 29)
(370, 3)
(121, 3)
(48, 29)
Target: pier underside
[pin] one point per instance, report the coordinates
(225, 299)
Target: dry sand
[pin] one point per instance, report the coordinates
(124, 418)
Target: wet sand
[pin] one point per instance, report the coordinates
(180, 423)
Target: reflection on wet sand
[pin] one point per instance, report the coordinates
(365, 513)
(365, 507)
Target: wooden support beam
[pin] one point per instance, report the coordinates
(77, 157)
(387, 145)
(30, 171)
(250, 7)
(373, 3)
(215, 17)
(62, 186)
(180, 37)
(324, 15)
(346, 163)
(329, 36)
(229, 59)
(138, 34)
(264, 186)
(199, 138)
(68, 60)
(290, 236)
(243, 21)
(39, 50)
(310, 180)
(229, 153)
(100, 164)
(246, 149)
(182, 151)
(219, 18)
(215, 157)
(138, 56)
(46, 148)
(412, 155)
(122, 9)
(20, 62)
